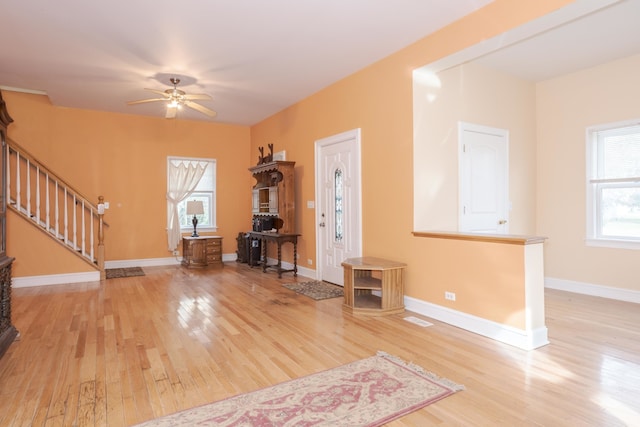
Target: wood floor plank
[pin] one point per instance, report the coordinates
(114, 404)
(125, 350)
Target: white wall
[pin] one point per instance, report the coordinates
(566, 106)
(475, 94)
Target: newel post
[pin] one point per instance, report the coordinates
(101, 237)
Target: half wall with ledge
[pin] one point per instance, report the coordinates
(492, 285)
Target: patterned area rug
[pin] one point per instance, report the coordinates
(316, 289)
(114, 273)
(368, 392)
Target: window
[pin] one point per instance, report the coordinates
(338, 204)
(204, 191)
(613, 185)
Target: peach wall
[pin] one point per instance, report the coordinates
(38, 260)
(465, 268)
(567, 105)
(378, 99)
(123, 157)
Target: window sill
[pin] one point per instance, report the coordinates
(611, 243)
(200, 229)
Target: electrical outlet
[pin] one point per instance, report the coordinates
(451, 296)
(310, 261)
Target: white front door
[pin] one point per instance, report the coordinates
(338, 204)
(484, 178)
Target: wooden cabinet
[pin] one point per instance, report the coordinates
(7, 331)
(202, 251)
(273, 194)
(265, 201)
(373, 286)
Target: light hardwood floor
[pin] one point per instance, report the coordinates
(127, 350)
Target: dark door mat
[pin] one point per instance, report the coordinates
(114, 273)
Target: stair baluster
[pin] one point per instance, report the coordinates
(25, 178)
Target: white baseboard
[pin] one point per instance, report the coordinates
(302, 271)
(94, 276)
(55, 279)
(91, 276)
(526, 340)
(144, 262)
(157, 262)
(620, 294)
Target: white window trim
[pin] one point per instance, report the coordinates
(213, 227)
(591, 203)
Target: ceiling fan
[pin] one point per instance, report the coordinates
(176, 98)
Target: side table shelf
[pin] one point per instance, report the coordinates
(373, 286)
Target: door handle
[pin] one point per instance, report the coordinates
(502, 221)
(322, 221)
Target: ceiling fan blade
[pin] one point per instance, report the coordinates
(142, 101)
(197, 96)
(159, 92)
(202, 109)
(171, 112)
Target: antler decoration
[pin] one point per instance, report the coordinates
(265, 159)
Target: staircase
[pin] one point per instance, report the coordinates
(55, 207)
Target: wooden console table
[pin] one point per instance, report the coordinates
(364, 276)
(278, 239)
(202, 251)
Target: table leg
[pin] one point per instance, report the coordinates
(264, 254)
(295, 257)
(279, 258)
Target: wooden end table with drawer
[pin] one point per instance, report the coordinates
(202, 251)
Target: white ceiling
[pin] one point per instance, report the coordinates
(254, 57)
(257, 57)
(601, 36)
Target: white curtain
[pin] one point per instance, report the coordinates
(183, 179)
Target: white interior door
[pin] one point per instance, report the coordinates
(484, 178)
(338, 204)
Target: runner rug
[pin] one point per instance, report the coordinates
(368, 392)
(316, 289)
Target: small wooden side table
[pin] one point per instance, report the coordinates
(202, 251)
(373, 286)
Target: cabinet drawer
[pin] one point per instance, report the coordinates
(213, 258)
(214, 261)
(214, 247)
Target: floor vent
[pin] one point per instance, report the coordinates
(418, 322)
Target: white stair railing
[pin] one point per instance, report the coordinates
(30, 186)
